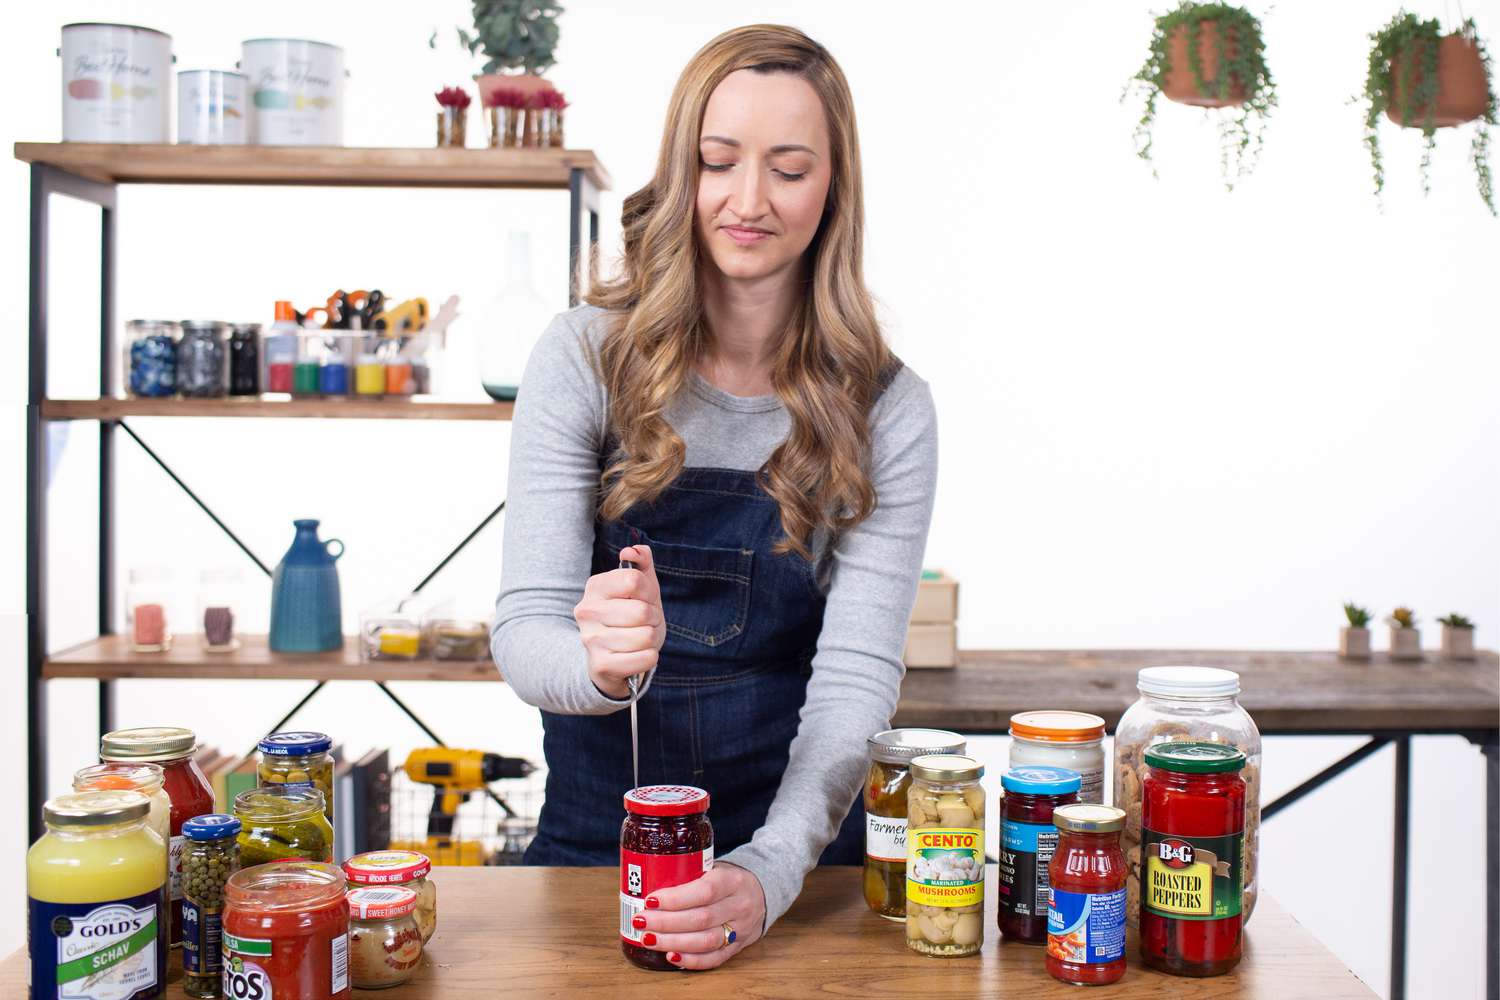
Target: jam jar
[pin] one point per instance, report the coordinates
(666, 840)
(1028, 840)
(891, 754)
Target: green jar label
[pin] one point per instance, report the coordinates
(1192, 878)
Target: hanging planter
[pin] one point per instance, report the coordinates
(1209, 55)
(1422, 79)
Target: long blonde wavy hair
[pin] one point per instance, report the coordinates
(828, 362)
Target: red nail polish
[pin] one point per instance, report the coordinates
(648, 939)
(652, 903)
(638, 921)
(673, 957)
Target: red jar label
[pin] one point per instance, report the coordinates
(643, 874)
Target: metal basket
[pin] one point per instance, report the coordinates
(488, 829)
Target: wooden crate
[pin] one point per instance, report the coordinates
(937, 600)
(931, 645)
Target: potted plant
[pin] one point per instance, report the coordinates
(1406, 639)
(1209, 55)
(512, 35)
(1354, 638)
(1458, 637)
(1420, 78)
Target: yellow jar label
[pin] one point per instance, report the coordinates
(945, 866)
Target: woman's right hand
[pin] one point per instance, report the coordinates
(621, 623)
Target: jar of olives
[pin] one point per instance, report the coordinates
(891, 753)
(281, 824)
(210, 856)
(945, 856)
(298, 760)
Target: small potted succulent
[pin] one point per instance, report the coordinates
(1354, 638)
(1209, 55)
(1458, 637)
(1406, 638)
(512, 35)
(1420, 78)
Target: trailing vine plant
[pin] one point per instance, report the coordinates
(1406, 33)
(1241, 66)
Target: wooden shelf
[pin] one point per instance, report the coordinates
(356, 409)
(110, 658)
(336, 166)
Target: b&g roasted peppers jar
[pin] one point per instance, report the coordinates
(666, 840)
(1192, 846)
(1027, 842)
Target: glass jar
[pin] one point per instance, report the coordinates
(139, 777)
(1086, 905)
(202, 359)
(1028, 839)
(298, 760)
(219, 594)
(891, 753)
(244, 359)
(464, 639)
(1070, 740)
(1193, 844)
(945, 856)
(151, 358)
(147, 598)
(385, 944)
(286, 932)
(282, 824)
(1177, 703)
(389, 634)
(187, 789)
(97, 861)
(666, 840)
(399, 868)
(212, 855)
(369, 375)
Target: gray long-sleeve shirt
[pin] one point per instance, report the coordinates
(870, 577)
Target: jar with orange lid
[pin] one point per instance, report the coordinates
(1070, 740)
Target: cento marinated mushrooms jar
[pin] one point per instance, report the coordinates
(666, 840)
(1185, 703)
(891, 753)
(399, 868)
(945, 856)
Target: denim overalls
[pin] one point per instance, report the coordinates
(723, 706)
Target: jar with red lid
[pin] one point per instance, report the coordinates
(666, 840)
(1027, 842)
(385, 944)
(187, 790)
(1086, 907)
(404, 868)
(286, 932)
(1192, 851)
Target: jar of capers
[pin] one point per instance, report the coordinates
(209, 856)
(891, 753)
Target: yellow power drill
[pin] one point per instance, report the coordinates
(455, 775)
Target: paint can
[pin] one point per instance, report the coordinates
(296, 91)
(116, 83)
(211, 107)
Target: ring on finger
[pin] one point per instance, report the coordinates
(729, 935)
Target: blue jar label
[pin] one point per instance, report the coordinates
(1086, 928)
(97, 951)
(201, 940)
(1026, 850)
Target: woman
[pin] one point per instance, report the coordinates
(726, 417)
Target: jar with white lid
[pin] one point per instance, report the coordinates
(1185, 703)
(1070, 740)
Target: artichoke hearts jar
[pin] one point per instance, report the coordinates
(891, 754)
(945, 856)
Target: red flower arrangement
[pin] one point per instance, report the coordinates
(505, 97)
(453, 97)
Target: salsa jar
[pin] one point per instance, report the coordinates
(281, 824)
(385, 944)
(1086, 902)
(298, 760)
(401, 868)
(1193, 837)
(891, 753)
(187, 790)
(945, 856)
(1070, 740)
(666, 840)
(211, 856)
(1028, 839)
(286, 933)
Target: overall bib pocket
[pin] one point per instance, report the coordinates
(705, 592)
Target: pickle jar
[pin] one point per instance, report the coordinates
(298, 760)
(399, 868)
(283, 824)
(945, 856)
(212, 855)
(385, 946)
(891, 753)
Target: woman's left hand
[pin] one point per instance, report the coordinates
(687, 921)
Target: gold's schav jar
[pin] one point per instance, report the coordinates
(666, 840)
(891, 754)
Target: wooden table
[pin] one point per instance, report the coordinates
(552, 932)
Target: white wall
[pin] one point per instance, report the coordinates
(1171, 417)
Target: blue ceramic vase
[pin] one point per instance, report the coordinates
(305, 613)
